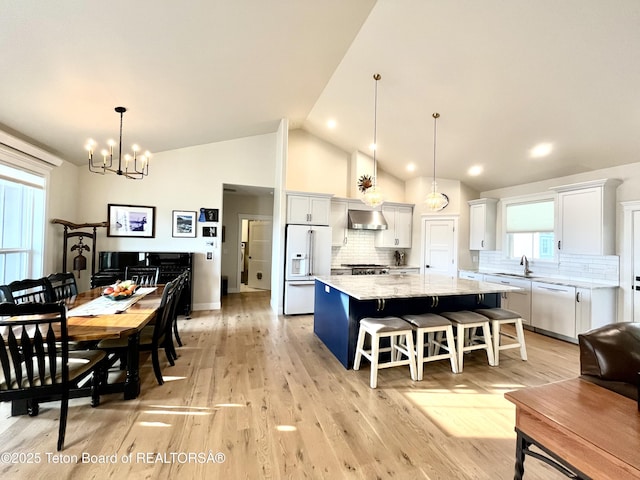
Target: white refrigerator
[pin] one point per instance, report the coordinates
(307, 254)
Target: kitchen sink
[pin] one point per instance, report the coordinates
(515, 275)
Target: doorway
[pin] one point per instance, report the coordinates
(440, 245)
(255, 253)
(242, 204)
(630, 263)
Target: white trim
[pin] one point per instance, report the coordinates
(28, 149)
(626, 260)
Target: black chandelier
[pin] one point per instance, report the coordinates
(135, 167)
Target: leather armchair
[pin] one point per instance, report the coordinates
(610, 357)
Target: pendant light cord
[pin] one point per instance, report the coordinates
(435, 121)
(376, 77)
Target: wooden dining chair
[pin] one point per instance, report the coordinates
(29, 290)
(63, 285)
(152, 337)
(183, 278)
(35, 362)
(143, 276)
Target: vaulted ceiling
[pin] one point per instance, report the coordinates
(505, 76)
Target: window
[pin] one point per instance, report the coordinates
(529, 229)
(22, 207)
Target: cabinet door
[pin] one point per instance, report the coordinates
(553, 308)
(583, 310)
(403, 226)
(319, 210)
(580, 221)
(520, 302)
(478, 277)
(308, 210)
(387, 238)
(477, 215)
(298, 209)
(339, 222)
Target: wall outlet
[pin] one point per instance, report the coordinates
(209, 255)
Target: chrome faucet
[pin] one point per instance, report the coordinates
(525, 262)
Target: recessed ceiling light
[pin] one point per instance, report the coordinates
(331, 124)
(475, 170)
(411, 167)
(541, 150)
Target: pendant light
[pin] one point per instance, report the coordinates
(136, 167)
(372, 196)
(435, 201)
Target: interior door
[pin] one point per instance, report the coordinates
(636, 266)
(259, 261)
(439, 248)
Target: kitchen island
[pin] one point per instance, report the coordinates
(342, 300)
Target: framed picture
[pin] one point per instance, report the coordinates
(208, 215)
(131, 221)
(209, 231)
(183, 223)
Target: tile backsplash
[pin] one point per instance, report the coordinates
(593, 268)
(361, 249)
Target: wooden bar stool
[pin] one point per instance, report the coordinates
(434, 326)
(386, 327)
(464, 321)
(498, 317)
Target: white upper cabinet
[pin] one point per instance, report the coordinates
(586, 217)
(339, 222)
(482, 224)
(400, 226)
(308, 209)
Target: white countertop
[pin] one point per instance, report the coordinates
(552, 280)
(368, 287)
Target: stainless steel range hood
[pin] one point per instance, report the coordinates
(366, 220)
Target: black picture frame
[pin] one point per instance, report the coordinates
(136, 221)
(209, 232)
(208, 215)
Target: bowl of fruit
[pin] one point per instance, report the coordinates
(120, 290)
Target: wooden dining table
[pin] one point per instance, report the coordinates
(124, 324)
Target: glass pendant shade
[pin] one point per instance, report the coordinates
(373, 197)
(435, 200)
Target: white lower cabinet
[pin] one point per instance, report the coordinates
(517, 301)
(469, 275)
(553, 308)
(595, 308)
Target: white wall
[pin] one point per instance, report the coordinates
(62, 203)
(314, 165)
(183, 179)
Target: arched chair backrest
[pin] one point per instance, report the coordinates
(28, 291)
(64, 285)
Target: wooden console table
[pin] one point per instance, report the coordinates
(584, 430)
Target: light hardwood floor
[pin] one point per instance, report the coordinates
(262, 390)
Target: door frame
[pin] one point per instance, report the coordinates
(627, 260)
(241, 217)
(427, 218)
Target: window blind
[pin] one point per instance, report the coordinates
(530, 217)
